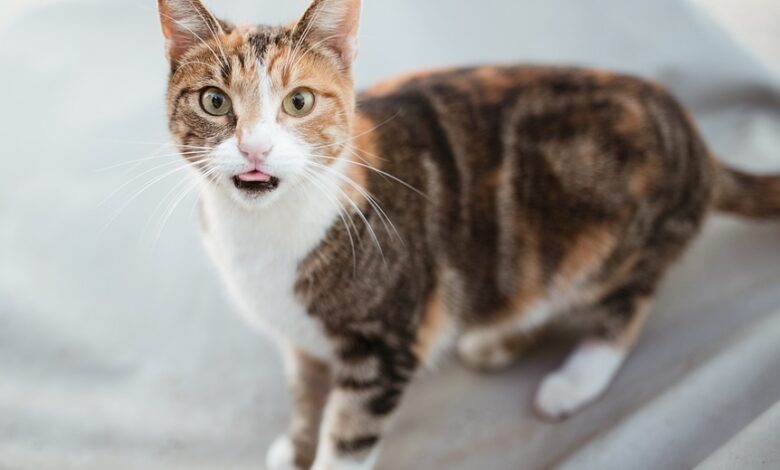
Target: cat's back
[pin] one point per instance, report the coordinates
(504, 89)
(527, 167)
(587, 131)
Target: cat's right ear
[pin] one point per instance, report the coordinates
(185, 24)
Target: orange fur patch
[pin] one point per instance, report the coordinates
(433, 323)
(587, 253)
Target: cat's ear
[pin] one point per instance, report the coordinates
(334, 24)
(185, 24)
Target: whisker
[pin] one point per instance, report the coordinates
(178, 201)
(163, 200)
(352, 138)
(342, 213)
(146, 159)
(150, 170)
(362, 216)
(377, 170)
(139, 192)
(161, 144)
(383, 217)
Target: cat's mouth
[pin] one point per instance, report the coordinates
(256, 182)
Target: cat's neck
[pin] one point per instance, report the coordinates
(293, 222)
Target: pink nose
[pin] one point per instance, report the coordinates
(255, 151)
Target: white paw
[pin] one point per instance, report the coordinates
(584, 378)
(483, 352)
(281, 455)
(558, 397)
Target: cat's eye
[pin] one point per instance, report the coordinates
(299, 103)
(215, 102)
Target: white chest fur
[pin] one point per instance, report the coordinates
(257, 252)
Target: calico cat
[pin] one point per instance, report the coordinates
(462, 209)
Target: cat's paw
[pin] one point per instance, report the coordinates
(584, 378)
(483, 353)
(559, 396)
(281, 455)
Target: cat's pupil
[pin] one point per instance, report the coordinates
(217, 101)
(298, 101)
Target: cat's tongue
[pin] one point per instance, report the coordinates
(254, 175)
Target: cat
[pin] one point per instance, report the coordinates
(457, 210)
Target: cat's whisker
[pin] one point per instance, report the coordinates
(146, 172)
(161, 144)
(361, 134)
(342, 213)
(180, 198)
(139, 192)
(163, 200)
(388, 224)
(146, 159)
(363, 218)
(377, 170)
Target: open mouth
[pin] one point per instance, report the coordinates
(256, 182)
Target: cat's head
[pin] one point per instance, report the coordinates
(258, 110)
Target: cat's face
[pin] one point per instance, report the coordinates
(261, 110)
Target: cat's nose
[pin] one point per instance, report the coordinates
(255, 151)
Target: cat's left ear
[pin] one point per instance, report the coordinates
(334, 24)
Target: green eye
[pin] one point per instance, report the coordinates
(299, 103)
(215, 102)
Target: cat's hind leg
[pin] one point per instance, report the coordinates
(591, 367)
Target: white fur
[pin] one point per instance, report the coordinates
(583, 378)
(257, 244)
(281, 455)
(258, 252)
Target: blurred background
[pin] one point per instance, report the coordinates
(118, 348)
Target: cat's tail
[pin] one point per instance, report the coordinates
(745, 194)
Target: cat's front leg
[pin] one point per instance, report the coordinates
(310, 382)
(370, 378)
